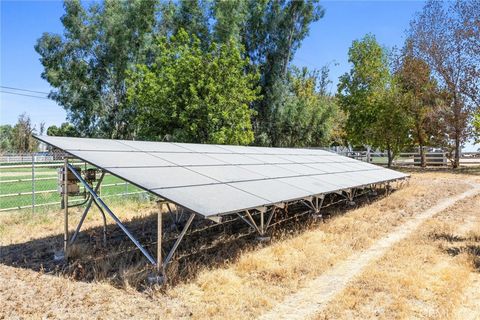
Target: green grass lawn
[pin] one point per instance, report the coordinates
(47, 180)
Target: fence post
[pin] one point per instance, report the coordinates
(33, 183)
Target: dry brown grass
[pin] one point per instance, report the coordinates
(18, 227)
(419, 277)
(243, 287)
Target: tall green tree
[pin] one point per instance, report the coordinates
(393, 122)
(370, 97)
(271, 34)
(22, 140)
(190, 15)
(307, 117)
(230, 19)
(87, 65)
(192, 95)
(65, 130)
(359, 89)
(6, 131)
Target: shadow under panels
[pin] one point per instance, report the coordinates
(218, 179)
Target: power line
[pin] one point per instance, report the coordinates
(26, 90)
(25, 95)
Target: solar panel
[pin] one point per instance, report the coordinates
(219, 179)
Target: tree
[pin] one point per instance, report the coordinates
(65, 130)
(193, 95)
(420, 97)
(22, 140)
(370, 98)
(6, 138)
(190, 15)
(358, 89)
(391, 128)
(447, 37)
(308, 114)
(272, 32)
(87, 66)
(230, 18)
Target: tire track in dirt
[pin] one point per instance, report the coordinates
(310, 300)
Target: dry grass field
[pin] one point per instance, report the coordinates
(432, 273)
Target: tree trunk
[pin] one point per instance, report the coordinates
(456, 160)
(390, 157)
(423, 160)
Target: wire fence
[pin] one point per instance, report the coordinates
(30, 181)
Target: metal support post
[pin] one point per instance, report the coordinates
(388, 188)
(270, 217)
(252, 221)
(318, 206)
(262, 231)
(33, 183)
(85, 212)
(65, 212)
(177, 243)
(100, 202)
(159, 237)
(350, 195)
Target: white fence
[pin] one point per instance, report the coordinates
(26, 158)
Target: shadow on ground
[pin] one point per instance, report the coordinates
(206, 245)
(457, 245)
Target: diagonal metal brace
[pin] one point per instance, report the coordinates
(112, 215)
(87, 209)
(177, 242)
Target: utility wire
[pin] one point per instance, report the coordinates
(18, 89)
(25, 95)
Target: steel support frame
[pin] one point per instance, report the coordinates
(89, 202)
(98, 200)
(161, 267)
(314, 203)
(263, 224)
(160, 264)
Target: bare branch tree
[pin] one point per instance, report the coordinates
(447, 37)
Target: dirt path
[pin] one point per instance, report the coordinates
(312, 299)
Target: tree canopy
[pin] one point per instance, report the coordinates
(420, 97)
(192, 94)
(65, 130)
(220, 72)
(371, 100)
(307, 116)
(87, 65)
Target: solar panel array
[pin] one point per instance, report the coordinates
(219, 179)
